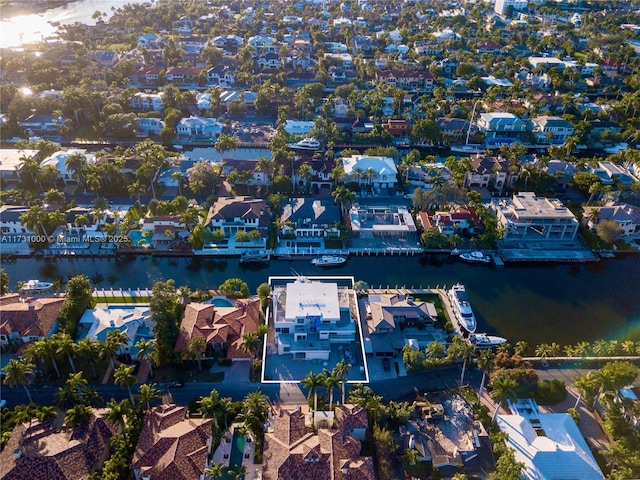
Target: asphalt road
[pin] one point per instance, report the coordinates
(402, 388)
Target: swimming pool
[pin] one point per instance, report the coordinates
(221, 302)
(137, 238)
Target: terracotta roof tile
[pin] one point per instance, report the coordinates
(30, 319)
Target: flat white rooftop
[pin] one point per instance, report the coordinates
(312, 299)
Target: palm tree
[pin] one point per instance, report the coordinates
(50, 349)
(118, 412)
(89, 348)
(17, 372)
(66, 347)
(629, 347)
(215, 471)
(312, 381)
(250, 343)
(521, 347)
(255, 408)
(462, 350)
(485, 363)
(330, 382)
(145, 352)
(239, 473)
(503, 388)
(46, 412)
(78, 414)
(225, 143)
(341, 370)
(147, 393)
(543, 350)
(594, 215)
(196, 348)
(124, 377)
(115, 340)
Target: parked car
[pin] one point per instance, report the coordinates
(386, 364)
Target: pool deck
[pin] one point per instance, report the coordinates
(225, 454)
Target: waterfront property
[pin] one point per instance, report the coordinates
(49, 450)
(375, 173)
(293, 451)
(220, 326)
(490, 172)
(172, 445)
(22, 322)
(627, 216)
(549, 444)
(134, 321)
(313, 324)
(233, 214)
(531, 218)
(307, 221)
(392, 221)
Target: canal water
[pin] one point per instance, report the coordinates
(536, 303)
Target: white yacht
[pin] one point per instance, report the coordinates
(35, 286)
(310, 144)
(482, 340)
(255, 256)
(328, 261)
(462, 308)
(475, 257)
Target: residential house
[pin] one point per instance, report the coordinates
(370, 221)
(43, 124)
(376, 173)
(503, 7)
(456, 129)
(199, 128)
(629, 400)
(250, 172)
(549, 445)
(426, 47)
(105, 58)
(47, 450)
(172, 445)
(298, 127)
(11, 160)
(148, 127)
(627, 216)
(397, 127)
(492, 48)
(309, 316)
(386, 312)
(269, 61)
(23, 322)
(561, 170)
(500, 127)
(292, 451)
(10, 223)
(551, 130)
(147, 101)
(263, 44)
(415, 80)
(308, 217)
(599, 127)
(321, 180)
(164, 230)
(459, 220)
(344, 60)
(148, 41)
(230, 44)
(223, 75)
(135, 322)
(490, 172)
(183, 75)
(610, 173)
(59, 161)
(540, 219)
(232, 214)
(428, 175)
(221, 327)
(246, 96)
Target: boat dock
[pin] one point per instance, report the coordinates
(564, 256)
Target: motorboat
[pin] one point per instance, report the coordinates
(310, 144)
(462, 308)
(477, 257)
(255, 256)
(328, 261)
(469, 149)
(35, 286)
(482, 340)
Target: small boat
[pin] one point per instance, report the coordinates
(482, 340)
(35, 286)
(462, 308)
(470, 149)
(255, 256)
(477, 257)
(310, 144)
(328, 261)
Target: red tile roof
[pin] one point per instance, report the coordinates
(293, 452)
(34, 318)
(51, 453)
(220, 325)
(170, 446)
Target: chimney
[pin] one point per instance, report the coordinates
(17, 453)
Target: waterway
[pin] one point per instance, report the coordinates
(21, 29)
(536, 303)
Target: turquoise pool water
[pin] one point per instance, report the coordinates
(221, 302)
(237, 452)
(137, 238)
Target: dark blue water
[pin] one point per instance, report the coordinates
(541, 303)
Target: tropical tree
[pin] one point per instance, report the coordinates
(115, 340)
(147, 393)
(89, 349)
(239, 473)
(117, 412)
(313, 381)
(341, 371)
(330, 382)
(196, 348)
(123, 376)
(502, 389)
(78, 414)
(215, 471)
(521, 347)
(485, 363)
(146, 351)
(49, 347)
(250, 343)
(17, 372)
(46, 412)
(65, 346)
(255, 408)
(225, 143)
(460, 349)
